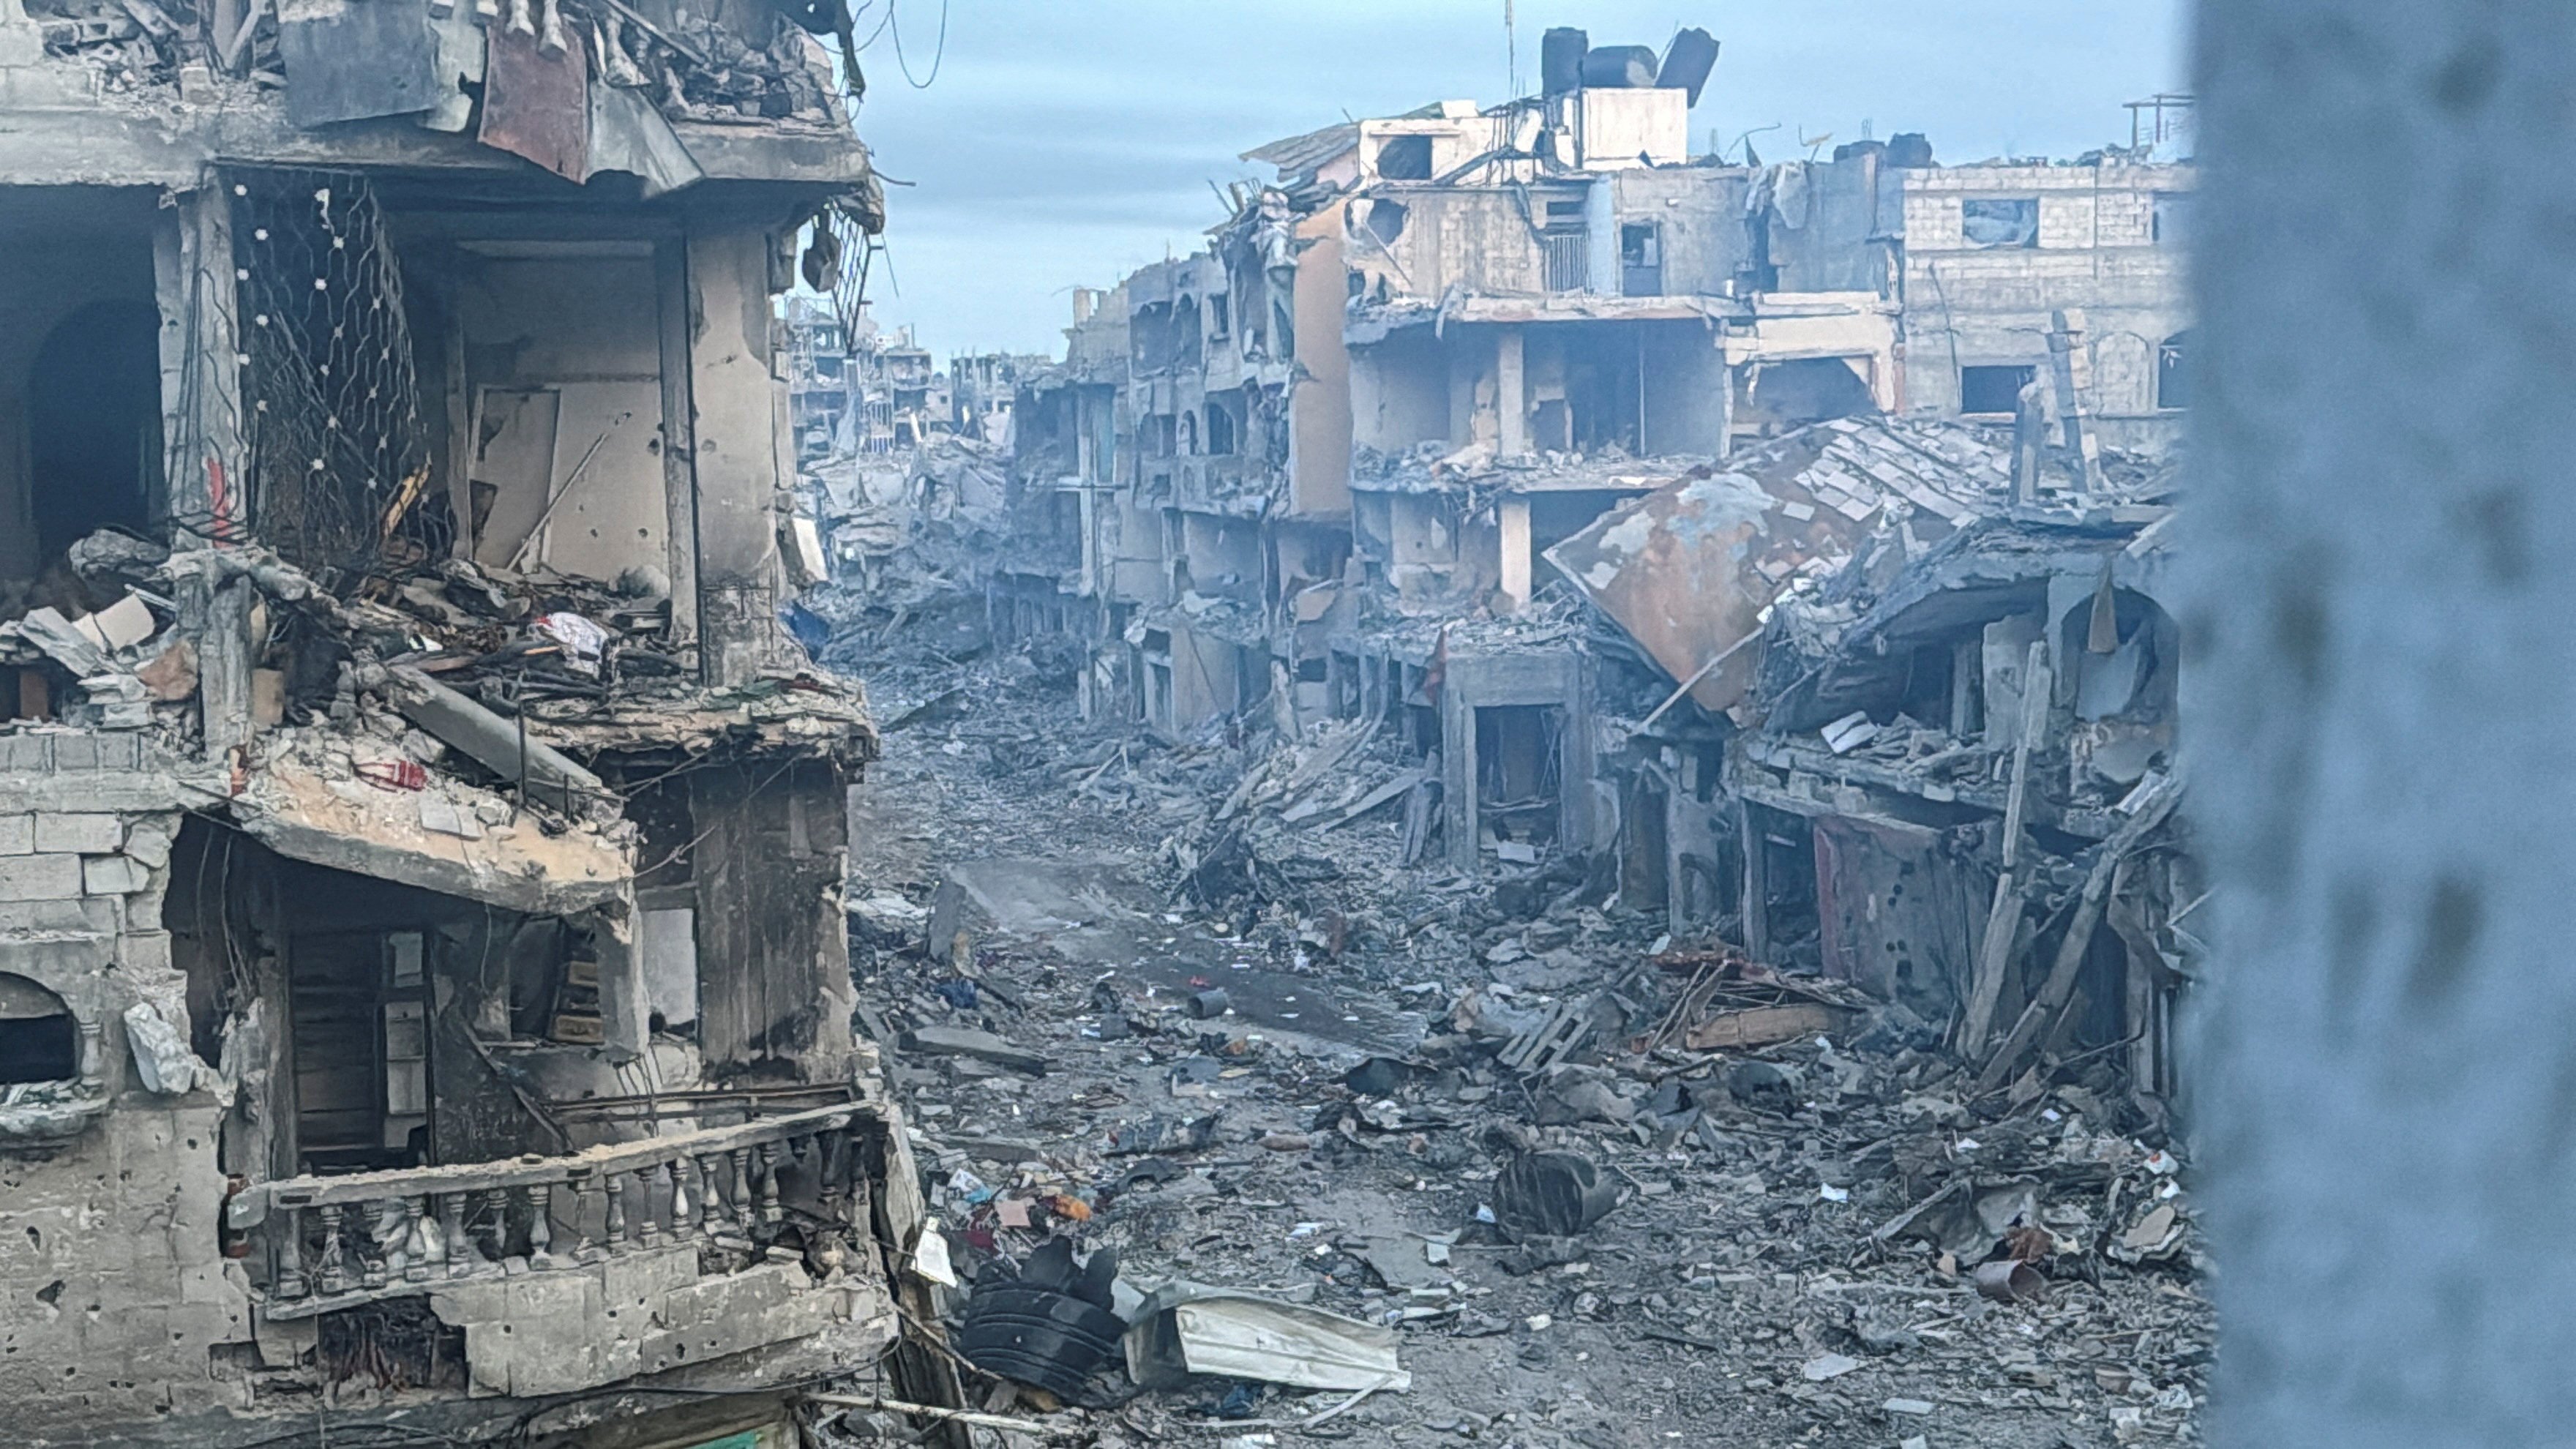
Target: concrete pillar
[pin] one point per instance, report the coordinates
(732, 397)
(679, 438)
(1513, 515)
(193, 286)
(2377, 704)
(1511, 395)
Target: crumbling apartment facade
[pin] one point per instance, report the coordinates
(1316, 470)
(423, 978)
(1608, 476)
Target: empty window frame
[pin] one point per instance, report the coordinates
(2170, 223)
(1405, 158)
(1993, 389)
(2000, 222)
(1641, 259)
(2173, 372)
(39, 1041)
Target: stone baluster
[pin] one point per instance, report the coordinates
(616, 1212)
(541, 1232)
(828, 1152)
(649, 1223)
(684, 1208)
(769, 1209)
(334, 1275)
(496, 1206)
(711, 1208)
(291, 1282)
(585, 1249)
(739, 1191)
(433, 1238)
(416, 1238)
(460, 1246)
(854, 1174)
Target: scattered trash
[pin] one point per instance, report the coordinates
(2010, 1282)
(1163, 1134)
(930, 1256)
(1053, 1328)
(960, 1041)
(1551, 1195)
(1186, 1329)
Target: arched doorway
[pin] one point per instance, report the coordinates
(94, 423)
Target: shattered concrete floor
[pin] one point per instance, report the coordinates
(1747, 1290)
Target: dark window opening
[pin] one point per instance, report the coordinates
(2173, 372)
(1604, 401)
(2171, 224)
(1784, 878)
(39, 1042)
(1405, 158)
(94, 423)
(2013, 223)
(1312, 671)
(1386, 220)
(1993, 389)
(1641, 259)
(1783, 395)
(1645, 850)
(1519, 771)
(1220, 431)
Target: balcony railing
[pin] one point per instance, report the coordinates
(330, 1242)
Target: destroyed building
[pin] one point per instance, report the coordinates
(982, 389)
(423, 981)
(1583, 703)
(1314, 470)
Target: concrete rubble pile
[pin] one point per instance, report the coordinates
(1596, 1181)
(1615, 815)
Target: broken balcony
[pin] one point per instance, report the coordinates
(727, 1239)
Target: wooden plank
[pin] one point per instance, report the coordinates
(2060, 985)
(1994, 955)
(1761, 1026)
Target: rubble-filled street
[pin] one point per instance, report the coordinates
(1530, 795)
(1316, 1091)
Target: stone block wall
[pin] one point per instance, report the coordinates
(113, 1288)
(1971, 306)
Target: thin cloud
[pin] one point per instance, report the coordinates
(1064, 144)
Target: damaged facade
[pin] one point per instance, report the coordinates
(1488, 426)
(423, 979)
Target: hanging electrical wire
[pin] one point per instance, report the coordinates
(938, 55)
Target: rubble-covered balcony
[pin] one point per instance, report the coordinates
(151, 90)
(570, 1271)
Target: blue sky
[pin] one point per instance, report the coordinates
(1063, 143)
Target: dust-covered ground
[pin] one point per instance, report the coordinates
(1789, 1257)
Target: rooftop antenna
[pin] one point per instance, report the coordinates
(1512, 51)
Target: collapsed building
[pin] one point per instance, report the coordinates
(423, 978)
(1605, 475)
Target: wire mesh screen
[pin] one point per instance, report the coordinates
(339, 453)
